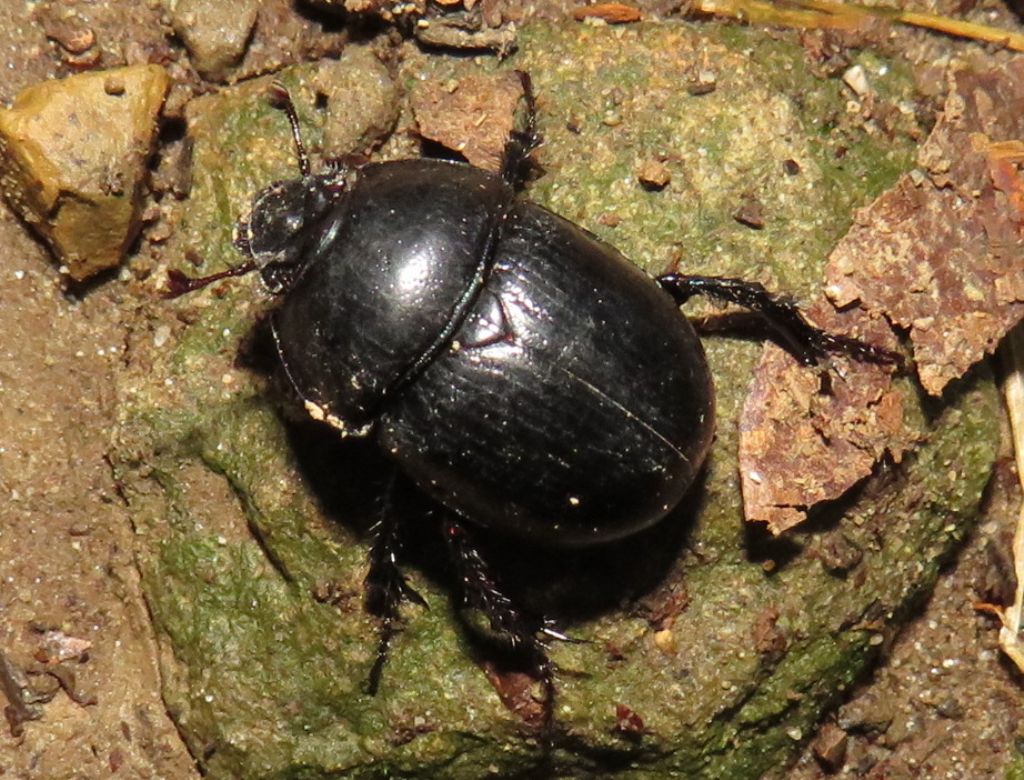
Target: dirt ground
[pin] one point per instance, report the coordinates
(945, 704)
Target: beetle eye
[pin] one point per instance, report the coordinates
(240, 237)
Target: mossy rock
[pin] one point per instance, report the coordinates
(243, 514)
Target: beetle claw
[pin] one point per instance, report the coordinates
(550, 631)
(412, 595)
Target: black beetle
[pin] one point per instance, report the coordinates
(520, 371)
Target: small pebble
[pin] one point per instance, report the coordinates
(654, 175)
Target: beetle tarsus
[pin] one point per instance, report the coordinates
(482, 591)
(806, 342)
(387, 631)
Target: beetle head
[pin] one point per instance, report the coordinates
(281, 223)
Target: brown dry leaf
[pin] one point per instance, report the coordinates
(664, 605)
(56, 647)
(1004, 159)
(943, 254)
(768, 638)
(516, 691)
(627, 722)
(612, 13)
(800, 445)
(473, 116)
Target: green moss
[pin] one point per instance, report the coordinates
(266, 681)
(766, 109)
(1015, 766)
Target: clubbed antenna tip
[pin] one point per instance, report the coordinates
(178, 283)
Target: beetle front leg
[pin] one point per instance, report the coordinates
(481, 591)
(808, 343)
(515, 164)
(385, 587)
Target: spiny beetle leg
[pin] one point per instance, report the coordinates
(515, 164)
(481, 591)
(385, 588)
(805, 341)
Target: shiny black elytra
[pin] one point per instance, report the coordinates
(523, 373)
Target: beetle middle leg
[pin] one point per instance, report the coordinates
(482, 591)
(386, 586)
(807, 342)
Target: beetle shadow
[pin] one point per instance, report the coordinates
(737, 326)
(353, 482)
(575, 584)
(348, 478)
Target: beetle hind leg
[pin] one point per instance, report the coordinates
(805, 341)
(510, 625)
(385, 588)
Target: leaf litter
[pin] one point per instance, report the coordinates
(940, 255)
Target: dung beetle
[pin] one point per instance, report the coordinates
(523, 373)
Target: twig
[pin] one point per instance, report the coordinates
(816, 14)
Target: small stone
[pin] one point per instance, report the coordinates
(70, 32)
(829, 747)
(627, 722)
(87, 60)
(704, 83)
(750, 213)
(665, 641)
(56, 647)
(857, 80)
(361, 101)
(654, 175)
(216, 34)
(73, 161)
(453, 34)
(951, 708)
(474, 116)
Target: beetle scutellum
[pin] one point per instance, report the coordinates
(523, 373)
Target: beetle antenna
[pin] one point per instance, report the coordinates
(281, 98)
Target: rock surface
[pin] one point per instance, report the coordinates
(254, 525)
